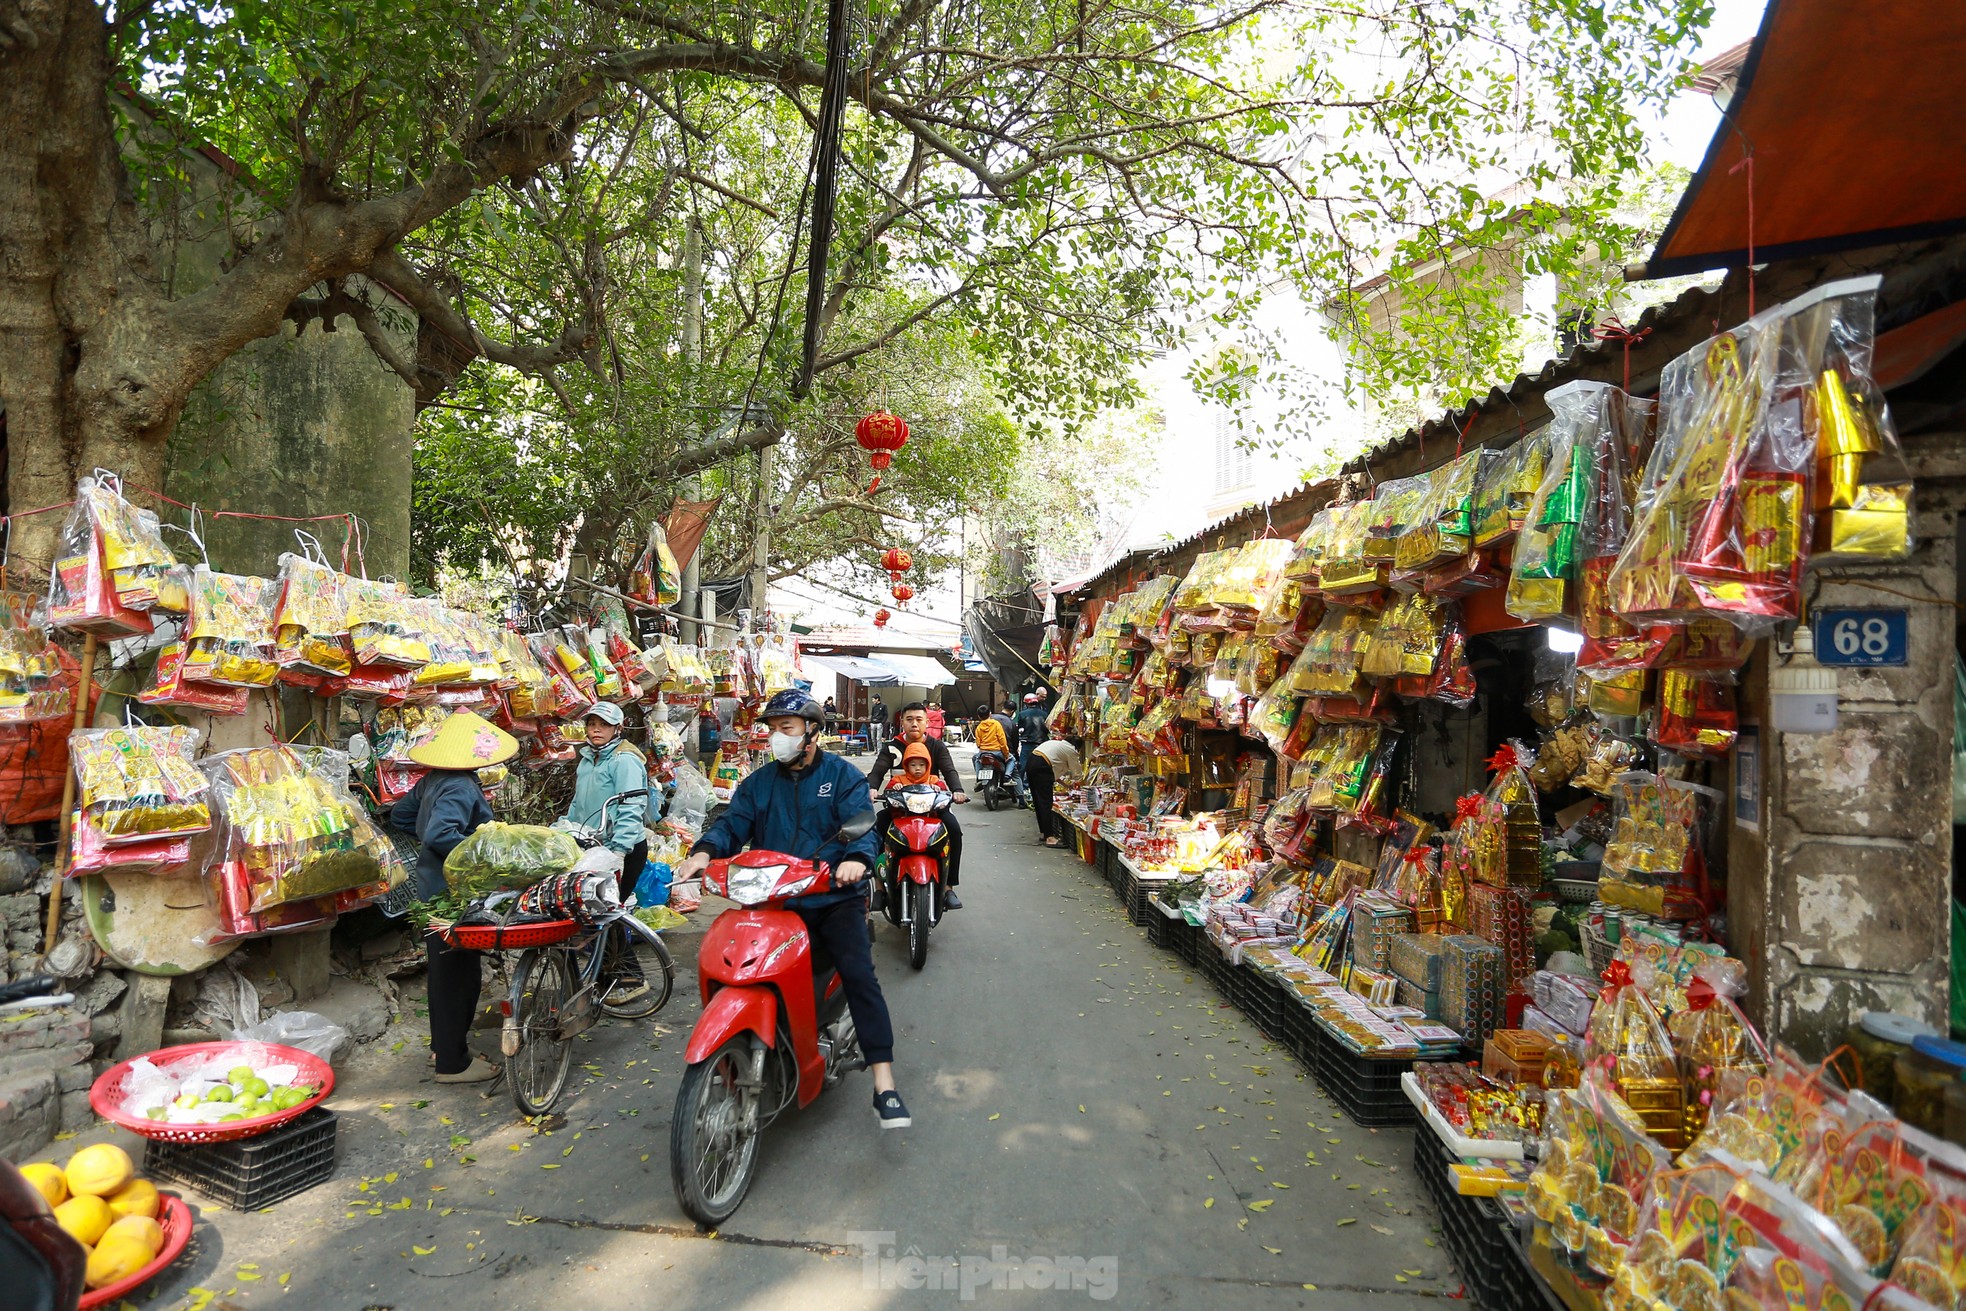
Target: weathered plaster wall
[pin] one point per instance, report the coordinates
(1839, 898)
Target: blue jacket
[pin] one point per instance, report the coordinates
(444, 808)
(776, 809)
(608, 772)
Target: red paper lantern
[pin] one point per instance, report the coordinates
(883, 434)
(902, 592)
(897, 561)
(881, 617)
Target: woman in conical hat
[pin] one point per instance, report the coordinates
(445, 807)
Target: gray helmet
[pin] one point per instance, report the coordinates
(794, 702)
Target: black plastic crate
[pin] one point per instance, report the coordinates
(1160, 929)
(1367, 1089)
(1478, 1233)
(1138, 898)
(1266, 1004)
(250, 1173)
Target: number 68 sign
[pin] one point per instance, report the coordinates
(1861, 637)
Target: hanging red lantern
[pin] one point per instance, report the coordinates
(883, 434)
(881, 617)
(902, 593)
(897, 561)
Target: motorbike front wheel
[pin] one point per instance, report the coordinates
(919, 898)
(713, 1136)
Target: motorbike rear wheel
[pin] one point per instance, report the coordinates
(713, 1135)
(919, 898)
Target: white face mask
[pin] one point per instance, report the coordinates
(787, 747)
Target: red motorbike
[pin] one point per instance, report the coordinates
(774, 1031)
(914, 844)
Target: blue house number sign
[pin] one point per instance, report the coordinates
(1861, 637)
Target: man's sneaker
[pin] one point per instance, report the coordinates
(950, 901)
(892, 1110)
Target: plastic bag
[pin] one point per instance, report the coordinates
(598, 860)
(168, 686)
(289, 831)
(508, 856)
(1696, 715)
(652, 888)
(1713, 1040)
(34, 685)
(1344, 570)
(1508, 487)
(105, 539)
(139, 783)
(317, 1035)
(1578, 512)
(384, 628)
(229, 634)
(656, 579)
(584, 896)
(310, 617)
(1655, 860)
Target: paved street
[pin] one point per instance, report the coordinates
(1077, 1094)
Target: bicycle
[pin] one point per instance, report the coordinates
(566, 975)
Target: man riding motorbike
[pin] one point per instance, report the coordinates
(914, 729)
(797, 806)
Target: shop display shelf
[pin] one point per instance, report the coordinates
(250, 1173)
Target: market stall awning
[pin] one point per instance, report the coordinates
(915, 671)
(871, 672)
(1851, 114)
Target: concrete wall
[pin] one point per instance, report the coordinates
(299, 426)
(289, 425)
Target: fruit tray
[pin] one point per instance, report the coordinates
(174, 1218)
(106, 1095)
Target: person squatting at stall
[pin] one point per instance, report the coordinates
(914, 730)
(1051, 763)
(445, 807)
(798, 806)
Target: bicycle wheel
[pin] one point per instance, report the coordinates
(537, 1068)
(637, 973)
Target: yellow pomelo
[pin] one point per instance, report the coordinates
(116, 1258)
(47, 1180)
(85, 1218)
(140, 1227)
(137, 1197)
(99, 1170)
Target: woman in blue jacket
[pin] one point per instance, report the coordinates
(445, 807)
(797, 806)
(609, 766)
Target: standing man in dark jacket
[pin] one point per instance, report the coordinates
(797, 806)
(445, 807)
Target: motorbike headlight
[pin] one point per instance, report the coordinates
(920, 803)
(751, 884)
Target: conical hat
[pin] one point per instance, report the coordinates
(466, 742)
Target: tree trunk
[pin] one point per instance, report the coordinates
(70, 248)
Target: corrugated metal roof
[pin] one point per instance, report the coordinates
(1603, 360)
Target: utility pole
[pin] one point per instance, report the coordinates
(692, 358)
(761, 539)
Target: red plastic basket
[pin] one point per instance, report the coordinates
(106, 1094)
(508, 937)
(174, 1217)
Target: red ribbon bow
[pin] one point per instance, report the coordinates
(1504, 758)
(1616, 975)
(1416, 855)
(1467, 807)
(1700, 994)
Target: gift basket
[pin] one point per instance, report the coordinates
(1655, 861)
